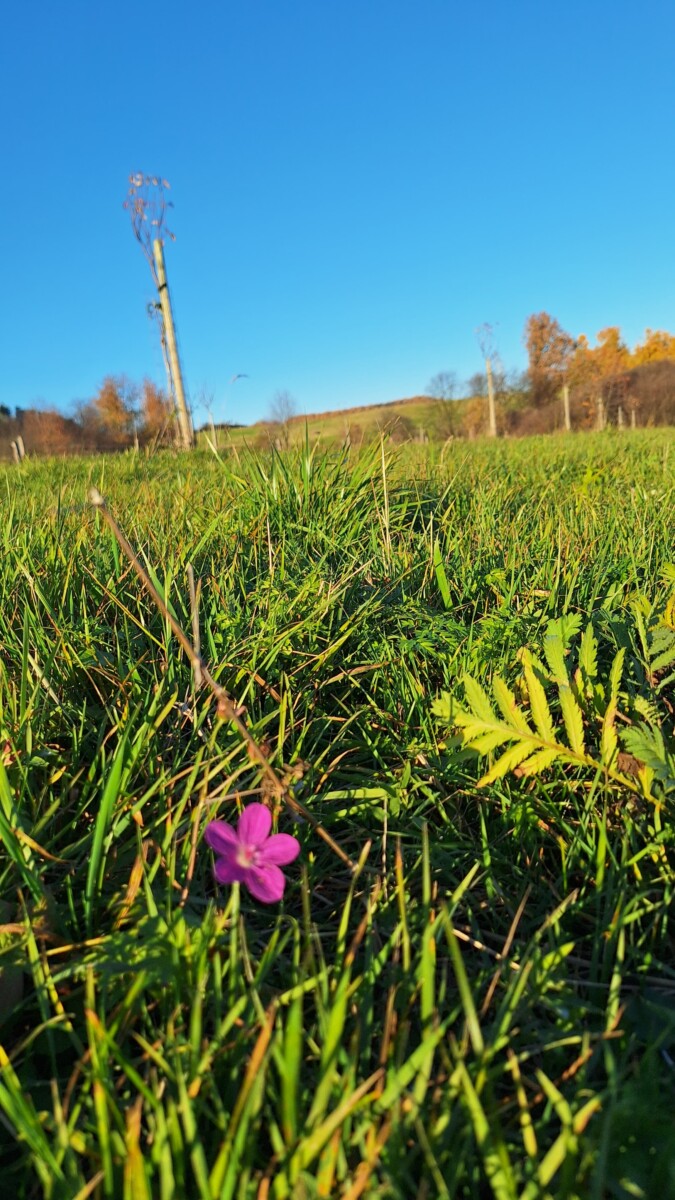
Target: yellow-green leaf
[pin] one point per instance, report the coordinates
(574, 722)
(541, 713)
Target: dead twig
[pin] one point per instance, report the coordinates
(226, 709)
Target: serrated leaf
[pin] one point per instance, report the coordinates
(648, 745)
(662, 648)
(509, 706)
(508, 761)
(609, 743)
(573, 718)
(555, 657)
(565, 627)
(647, 710)
(442, 707)
(489, 741)
(588, 654)
(471, 726)
(640, 626)
(539, 761)
(615, 677)
(478, 701)
(541, 713)
(536, 663)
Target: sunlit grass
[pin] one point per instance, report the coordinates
(487, 1007)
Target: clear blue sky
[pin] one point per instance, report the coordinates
(358, 185)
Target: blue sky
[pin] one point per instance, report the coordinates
(358, 185)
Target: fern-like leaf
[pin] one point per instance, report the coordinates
(542, 759)
(508, 706)
(573, 718)
(506, 763)
(559, 634)
(541, 713)
(648, 745)
(478, 701)
(588, 656)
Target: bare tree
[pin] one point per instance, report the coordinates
(282, 409)
(476, 385)
(443, 386)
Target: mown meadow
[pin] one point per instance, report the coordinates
(460, 664)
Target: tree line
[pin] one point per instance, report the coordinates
(608, 380)
(605, 383)
(122, 414)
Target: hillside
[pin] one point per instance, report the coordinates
(417, 417)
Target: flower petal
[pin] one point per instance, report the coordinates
(221, 837)
(254, 825)
(226, 870)
(280, 849)
(265, 883)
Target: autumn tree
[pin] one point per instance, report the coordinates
(611, 355)
(46, 431)
(581, 365)
(156, 413)
(550, 351)
(108, 421)
(658, 346)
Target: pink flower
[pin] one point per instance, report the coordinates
(249, 855)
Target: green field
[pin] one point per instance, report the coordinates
(419, 418)
(461, 664)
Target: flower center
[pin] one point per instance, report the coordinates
(247, 856)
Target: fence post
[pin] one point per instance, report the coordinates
(182, 412)
(566, 407)
(600, 419)
(492, 414)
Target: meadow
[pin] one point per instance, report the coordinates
(458, 663)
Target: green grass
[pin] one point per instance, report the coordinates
(486, 1008)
